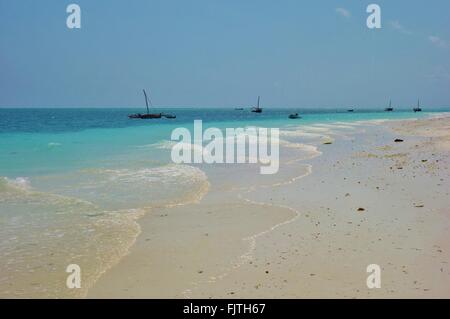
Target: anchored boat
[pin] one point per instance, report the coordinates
(418, 108)
(148, 115)
(390, 108)
(257, 109)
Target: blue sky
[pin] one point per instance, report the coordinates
(224, 53)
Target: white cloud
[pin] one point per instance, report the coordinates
(396, 25)
(437, 41)
(343, 12)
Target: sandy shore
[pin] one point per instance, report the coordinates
(365, 200)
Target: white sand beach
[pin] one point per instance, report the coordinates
(310, 231)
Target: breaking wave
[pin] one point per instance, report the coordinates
(88, 218)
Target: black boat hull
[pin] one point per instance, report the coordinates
(145, 116)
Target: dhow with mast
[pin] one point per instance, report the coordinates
(390, 108)
(148, 115)
(257, 109)
(418, 108)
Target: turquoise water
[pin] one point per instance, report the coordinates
(43, 141)
(73, 182)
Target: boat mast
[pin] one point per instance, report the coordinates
(258, 102)
(146, 102)
(390, 103)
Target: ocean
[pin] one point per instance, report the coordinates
(74, 182)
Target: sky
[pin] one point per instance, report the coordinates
(224, 53)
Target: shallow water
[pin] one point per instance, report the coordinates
(74, 182)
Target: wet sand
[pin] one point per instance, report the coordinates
(364, 199)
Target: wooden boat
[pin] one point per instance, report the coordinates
(390, 108)
(350, 110)
(148, 115)
(418, 108)
(257, 109)
(294, 116)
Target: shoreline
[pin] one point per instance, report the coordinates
(210, 282)
(240, 227)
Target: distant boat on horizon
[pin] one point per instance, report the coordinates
(257, 109)
(148, 115)
(418, 108)
(390, 108)
(350, 110)
(294, 116)
(239, 109)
